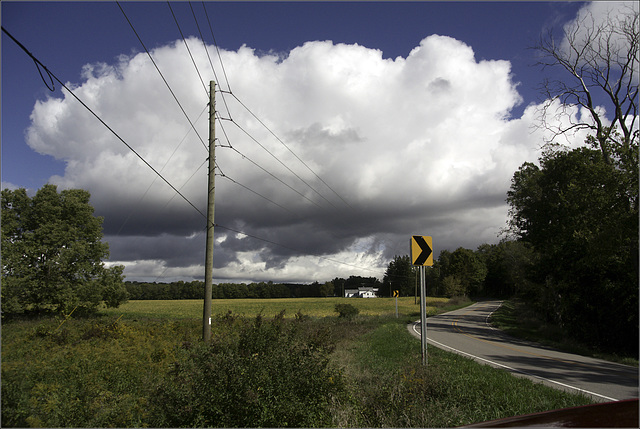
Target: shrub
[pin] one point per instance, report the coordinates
(269, 374)
(347, 310)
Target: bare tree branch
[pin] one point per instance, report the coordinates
(600, 59)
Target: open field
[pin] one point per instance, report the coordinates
(145, 365)
(314, 307)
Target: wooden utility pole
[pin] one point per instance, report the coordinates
(208, 266)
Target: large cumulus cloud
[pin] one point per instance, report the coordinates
(393, 147)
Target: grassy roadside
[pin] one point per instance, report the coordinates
(391, 388)
(107, 371)
(518, 319)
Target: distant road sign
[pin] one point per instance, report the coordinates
(396, 293)
(421, 250)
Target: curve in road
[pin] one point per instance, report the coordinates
(467, 332)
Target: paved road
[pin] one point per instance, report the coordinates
(467, 332)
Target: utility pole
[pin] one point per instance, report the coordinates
(208, 265)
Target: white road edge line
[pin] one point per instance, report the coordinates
(486, 321)
(510, 368)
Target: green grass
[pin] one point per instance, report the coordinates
(392, 389)
(107, 370)
(315, 307)
(518, 319)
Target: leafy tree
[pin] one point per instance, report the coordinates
(400, 275)
(470, 270)
(326, 289)
(577, 212)
(338, 284)
(452, 286)
(508, 264)
(52, 253)
(467, 268)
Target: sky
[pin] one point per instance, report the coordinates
(343, 128)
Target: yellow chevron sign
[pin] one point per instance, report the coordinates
(421, 250)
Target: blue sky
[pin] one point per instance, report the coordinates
(340, 82)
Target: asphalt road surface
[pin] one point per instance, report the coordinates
(467, 332)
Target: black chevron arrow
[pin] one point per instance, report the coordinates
(426, 250)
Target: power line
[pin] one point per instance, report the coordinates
(251, 190)
(249, 110)
(240, 184)
(206, 50)
(283, 164)
(162, 76)
(156, 178)
(230, 146)
(218, 50)
(52, 75)
(188, 50)
(289, 149)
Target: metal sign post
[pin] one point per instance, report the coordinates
(423, 315)
(422, 255)
(396, 293)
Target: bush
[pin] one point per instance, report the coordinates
(268, 374)
(347, 310)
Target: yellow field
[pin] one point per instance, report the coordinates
(316, 307)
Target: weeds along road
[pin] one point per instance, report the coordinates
(467, 332)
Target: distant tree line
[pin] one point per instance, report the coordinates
(195, 289)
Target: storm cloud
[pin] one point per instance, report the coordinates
(389, 147)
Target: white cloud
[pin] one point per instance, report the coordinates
(416, 145)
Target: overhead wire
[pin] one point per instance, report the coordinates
(51, 74)
(253, 114)
(230, 146)
(289, 149)
(262, 123)
(224, 72)
(188, 50)
(206, 50)
(255, 192)
(284, 165)
(201, 80)
(161, 170)
(162, 76)
(238, 183)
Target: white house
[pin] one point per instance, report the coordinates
(361, 292)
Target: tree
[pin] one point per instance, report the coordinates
(577, 213)
(326, 289)
(52, 253)
(599, 61)
(469, 269)
(400, 275)
(508, 264)
(453, 287)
